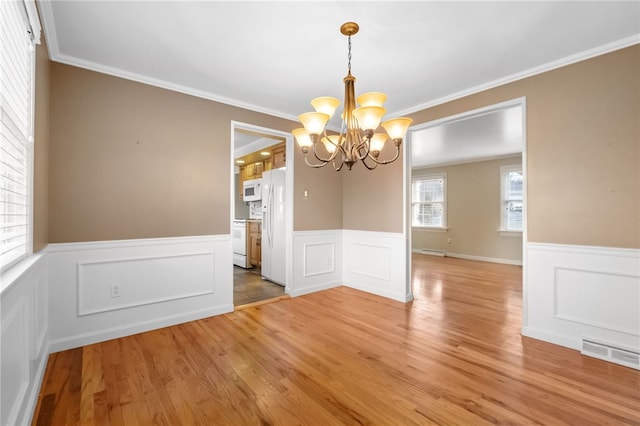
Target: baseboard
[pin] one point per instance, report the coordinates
(140, 327)
(485, 259)
(556, 339)
(32, 399)
(314, 288)
(429, 252)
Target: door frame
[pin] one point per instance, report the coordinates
(237, 125)
(522, 102)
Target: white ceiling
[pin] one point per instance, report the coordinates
(274, 57)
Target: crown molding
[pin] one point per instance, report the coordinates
(549, 66)
(57, 56)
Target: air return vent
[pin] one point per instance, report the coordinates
(611, 353)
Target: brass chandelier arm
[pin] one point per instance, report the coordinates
(386, 161)
(315, 166)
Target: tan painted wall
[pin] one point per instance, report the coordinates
(323, 208)
(373, 199)
(128, 160)
(41, 150)
(473, 212)
(133, 161)
(583, 148)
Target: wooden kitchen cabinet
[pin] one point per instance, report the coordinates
(255, 243)
(279, 157)
(253, 170)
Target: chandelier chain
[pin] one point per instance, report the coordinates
(349, 56)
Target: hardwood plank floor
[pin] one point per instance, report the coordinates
(454, 356)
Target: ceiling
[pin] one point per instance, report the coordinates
(274, 57)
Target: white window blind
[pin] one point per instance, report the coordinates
(428, 196)
(512, 185)
(16, 131)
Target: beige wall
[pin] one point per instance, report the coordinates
(41, 150)
(373, 199)
(583, 142)
(323, 208)
(128, 160)
(473, 212)
(133, 161)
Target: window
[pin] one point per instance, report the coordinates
(511, 199)
(428, 201)
(17, 38)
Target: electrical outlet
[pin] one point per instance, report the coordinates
(449, 241)
(115, 291)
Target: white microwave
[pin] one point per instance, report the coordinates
(252, 190)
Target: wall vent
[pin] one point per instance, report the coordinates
(611, 353)
(431, 252)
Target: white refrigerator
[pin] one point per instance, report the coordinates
(273, 226)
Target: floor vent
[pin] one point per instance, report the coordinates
(611, 353)
(432, 252)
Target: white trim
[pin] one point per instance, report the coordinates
(567, 281)
(142, 242)
(9, 276)
(419, 177)
(139, 78)
(471, 160)
(55, 55)
(134, 328)
(549, 66)
(509, 168)
(289, 174)
(484, 259)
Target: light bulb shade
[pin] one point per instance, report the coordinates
(397, 127)
(331, 147)
(369, 117)
(314, 122)
(372, 99)
(377, 142)
(325, 105)
(302, 137)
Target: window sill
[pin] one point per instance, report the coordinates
(429, 229)
(13, 273)
(509, 233)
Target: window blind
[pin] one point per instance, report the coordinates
(16, 135)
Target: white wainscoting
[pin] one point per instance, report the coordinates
(375, 262)
(317, 261)
(160, 282)
(23, 341)
(575, 292)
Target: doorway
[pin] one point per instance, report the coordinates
(458, 169)
(257, 155)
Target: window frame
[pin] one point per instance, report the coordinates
(503, 199)
(425, 177)
(31, 24)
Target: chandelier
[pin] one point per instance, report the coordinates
(357, 140)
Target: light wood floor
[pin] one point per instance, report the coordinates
(454, 356)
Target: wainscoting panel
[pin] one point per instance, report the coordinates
(115, 284)
(375, 262)
(317, 261)
(23, 340)
(576, 292)
(104, 290)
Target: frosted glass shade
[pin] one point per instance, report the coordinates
(302, 137)
(377, 142)
(326, 105)
(330, 147)
(369, 117)
(397, 127)
(313, 122)
(371, 99)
